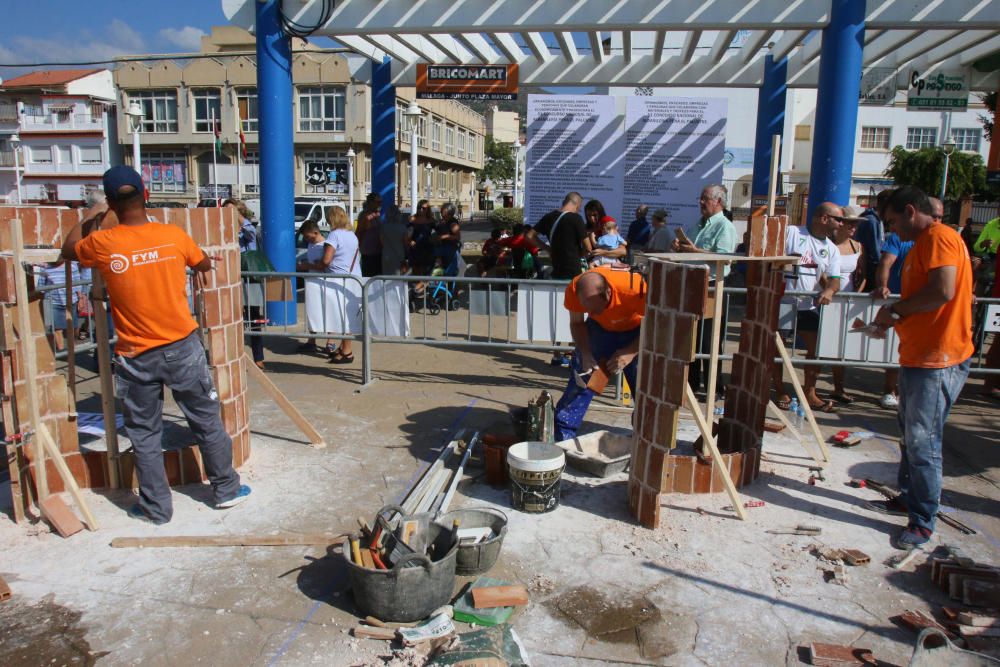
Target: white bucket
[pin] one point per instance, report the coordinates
(535, 475)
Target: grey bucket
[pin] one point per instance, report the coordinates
(414, 587)
(476, 559)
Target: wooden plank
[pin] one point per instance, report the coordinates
(713, 359)
(286, 406)
(773, 183)
(980, 593)
(58, 513)
(280, 540)
(979, 620)
(366, 559)
(13, 454)
(370, 632)
(780, 414)
(112, 458)
(28, 357)
(499, 596)
(70, 339)
(787, 361)
(709, 440)
(67, 476)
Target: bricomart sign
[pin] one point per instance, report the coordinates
(938, 91)
(466, 82)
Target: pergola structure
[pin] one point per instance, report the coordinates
(767, 44)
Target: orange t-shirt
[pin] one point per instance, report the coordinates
(144, 268)
(942, 337)
(628, 299)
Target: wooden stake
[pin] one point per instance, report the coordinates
(787, 361)
(67, 477)
(713, 363)
(70, 337)
(709, 439)
(775, 168)
(28, 359)
(282, 540)
(112, 458)
(286, 406)
(780, 414)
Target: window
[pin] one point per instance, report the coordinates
(324, 172)
(442, 183)
(803, 132)
(436, 134)
(91, 155)
(920, 137)
(402, 124)
(40, 155)
(449, 139)
(875, 138)
(422, 133)
(253, 157)
(474, 148)
(164, 172)
(967, 138)
(64, 155)
(246, 103)
(461, 143)
(159, 110)
(207, 106)
(321, 109)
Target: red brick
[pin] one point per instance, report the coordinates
(234, 341)
(199, 227)
(684, 337)
(230, 225)
(833, 655)
(666, 426)
(662, 333)
(695, 290)
(49, 227)
(657, 468)
(213, 223)
(177, 217)
(62, 518)
(172, 466)
(97, 470)
(220, 375)
(210, 302)
(633, 497)
(647, 425)
(216, 342)
(639, 458)
(683, 474)
(671, 286)
(649, 508)
(229, 416)
(225, 305)
(675, 382)
(702, 477)
(191, 465)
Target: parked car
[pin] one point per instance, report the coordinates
(165, 204)
(213, 202)
(315, 209)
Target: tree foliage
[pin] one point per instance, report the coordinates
(988, 119)
(923, 168)
(498, 160)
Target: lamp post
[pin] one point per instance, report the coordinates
(517, 169)
(135, 117)
(430, 180)
(350, 182)
(15, 145)
(947, 148)
(413, 114)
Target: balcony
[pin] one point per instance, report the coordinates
(7, 158)
(8, 112)
(62, 122)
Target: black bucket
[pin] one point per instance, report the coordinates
(476, 559)
(414, 587)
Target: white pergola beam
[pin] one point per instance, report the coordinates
(362, 47)
(787, 42)
(392, 46)
(423, 48)
(508, 46)
(886, 43)
(721, 45)
(690, 44)
(627, 45)
(450, 47)
(477, 45)
(596, 47)
(567, 46)
(751, 48)
(986, 48)
(661, 39)
(469, 16)
(536, 45)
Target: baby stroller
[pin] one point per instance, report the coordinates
(419, 296)
(442, 292)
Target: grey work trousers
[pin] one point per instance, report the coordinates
(139, 383)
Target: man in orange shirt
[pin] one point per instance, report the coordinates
(144, 266)
(933, 320)
(606, 306)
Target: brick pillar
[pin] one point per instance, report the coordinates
(214, 230)
(675, 300)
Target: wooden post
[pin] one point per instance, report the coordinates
(69, 481)
(28, 359)
(775, 169)
(779, 413)
(70, 337)
(286, 406)
(713, 363)
(709, 439)
(787, 361)
(113, 456)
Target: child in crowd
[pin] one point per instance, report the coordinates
(524, 254)
(494, 252)
(610, 240)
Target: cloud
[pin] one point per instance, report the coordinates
(118, 38)
(188, 38)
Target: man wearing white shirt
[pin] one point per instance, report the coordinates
(818, 273)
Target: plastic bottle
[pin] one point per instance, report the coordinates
(794, 409)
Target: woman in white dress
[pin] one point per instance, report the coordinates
(852, 263)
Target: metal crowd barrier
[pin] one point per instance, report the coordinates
(453, 323)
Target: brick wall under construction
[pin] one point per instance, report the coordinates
(676, 299)
(214, 230)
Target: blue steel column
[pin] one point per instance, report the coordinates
(277, 153)
(837, 104)
(384, 133)
(770, 121)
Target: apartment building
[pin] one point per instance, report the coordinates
(57, 135)
(184, 155)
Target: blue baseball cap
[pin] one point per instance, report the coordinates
(120, 177)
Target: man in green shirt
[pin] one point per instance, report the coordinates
(989, 238)
(712, 233)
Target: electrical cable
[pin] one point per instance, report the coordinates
(295, 29)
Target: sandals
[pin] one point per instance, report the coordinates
(338, 357)
(823, 406)
(784, 402)
(843, 399)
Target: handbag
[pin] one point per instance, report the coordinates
(255, 261)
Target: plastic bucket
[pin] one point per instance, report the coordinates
(535, 475)
(476, 559)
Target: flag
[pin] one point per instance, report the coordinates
(239, 131)
(218, 133)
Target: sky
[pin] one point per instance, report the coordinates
(34, 31)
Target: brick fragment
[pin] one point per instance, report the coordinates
(62, 518)
(834, 655)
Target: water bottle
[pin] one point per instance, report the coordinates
(793, 408)
(800, 417)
